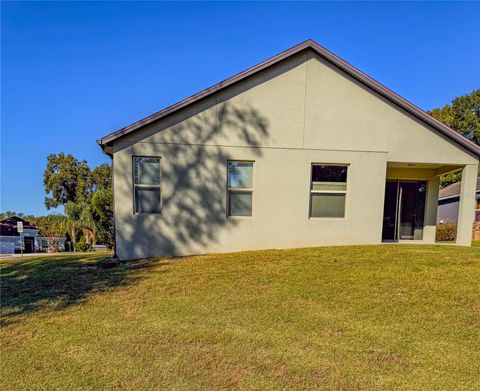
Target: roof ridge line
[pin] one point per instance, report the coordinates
(343, 65)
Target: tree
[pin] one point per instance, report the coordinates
(51, 226)
(79, 217)
(466, 110)
(101, 203)
(66, 179)
(10, 213)
(86, 195)
(463, 115)
(101, 177)
(444, 115)
(102, 208)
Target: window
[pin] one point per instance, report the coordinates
(146, 184)
(240, 188)
(328, 191)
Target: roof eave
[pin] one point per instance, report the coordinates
(107, 147)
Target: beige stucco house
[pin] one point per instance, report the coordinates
(300, 150)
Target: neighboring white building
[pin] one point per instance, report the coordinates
(10, 240)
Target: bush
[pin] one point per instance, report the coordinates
(82, 246)
(446, 232)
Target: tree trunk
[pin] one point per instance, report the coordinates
(90, 236)
(94, 238)
(73, 238)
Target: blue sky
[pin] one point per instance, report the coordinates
(73, 72)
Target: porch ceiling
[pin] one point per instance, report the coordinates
(440, 169)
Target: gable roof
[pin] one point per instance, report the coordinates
(8, 226)
(106, 141)
(453, 190)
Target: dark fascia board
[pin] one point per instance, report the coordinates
(106, 142)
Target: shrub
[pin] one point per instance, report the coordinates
(82, 246)
(446, 232)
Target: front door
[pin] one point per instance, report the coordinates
(404, 210)
(29, 243)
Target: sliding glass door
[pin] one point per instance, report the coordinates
(404, 210)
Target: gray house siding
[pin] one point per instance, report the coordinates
(448, 209)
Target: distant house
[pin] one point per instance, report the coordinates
(10, 240)
(449, 200)
(300, 150)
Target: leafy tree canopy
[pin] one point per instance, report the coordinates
(10, 213)
(66, 179)
(85, 194)
(52, 225)
(462, 115)
(102, 209)
(101, 177)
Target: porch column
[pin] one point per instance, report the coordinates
(430, 224)
(466, 208)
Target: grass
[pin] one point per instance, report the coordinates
(365, 317)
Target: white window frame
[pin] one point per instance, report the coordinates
(312, 191)
(239, 190)
(140, 186)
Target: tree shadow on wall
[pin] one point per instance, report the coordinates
(194, 154)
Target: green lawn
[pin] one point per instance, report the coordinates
(364, 317)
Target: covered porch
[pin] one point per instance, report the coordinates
(411, 201)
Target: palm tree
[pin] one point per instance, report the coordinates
(79, 216)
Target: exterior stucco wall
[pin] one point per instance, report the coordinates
(300, 112)
(194, 218)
